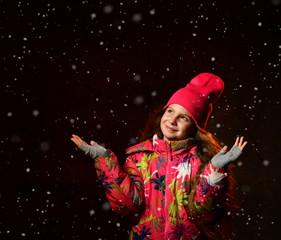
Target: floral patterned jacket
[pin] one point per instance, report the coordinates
(155, 181)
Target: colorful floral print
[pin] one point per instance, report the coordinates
(156, 178)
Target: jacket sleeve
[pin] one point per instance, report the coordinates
(211, 189)
(124, 188)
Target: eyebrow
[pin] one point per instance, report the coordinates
(181, 113)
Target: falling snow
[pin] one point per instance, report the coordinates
(35, 113)
(139, 100)
(97, 69)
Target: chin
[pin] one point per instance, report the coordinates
(171, 138)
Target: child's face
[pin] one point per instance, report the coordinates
(176, 123)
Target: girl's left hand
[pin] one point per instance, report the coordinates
(223, 158)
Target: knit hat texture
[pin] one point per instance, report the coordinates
(198, 96)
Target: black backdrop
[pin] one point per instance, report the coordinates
(96, 69)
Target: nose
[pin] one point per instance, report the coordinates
(172, 120)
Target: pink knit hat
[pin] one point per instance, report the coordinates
(198, 96)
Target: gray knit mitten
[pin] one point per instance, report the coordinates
(93, 150)
(223, 158)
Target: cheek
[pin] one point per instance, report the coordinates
(163, 119)
(187, 128)
(162, 122)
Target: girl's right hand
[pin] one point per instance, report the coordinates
(94, 150)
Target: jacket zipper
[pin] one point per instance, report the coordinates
(166, 191)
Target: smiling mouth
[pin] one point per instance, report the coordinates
(170, 129)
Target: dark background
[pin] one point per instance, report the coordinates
(96, 69)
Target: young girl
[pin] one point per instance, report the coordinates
(176, 180)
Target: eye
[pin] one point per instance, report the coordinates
(169, 111)
(184, 118)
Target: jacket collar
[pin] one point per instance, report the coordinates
(160, 145)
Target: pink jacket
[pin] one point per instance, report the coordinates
(155, 181)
